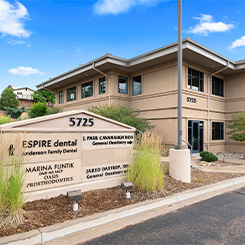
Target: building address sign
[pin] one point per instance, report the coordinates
(191, 100)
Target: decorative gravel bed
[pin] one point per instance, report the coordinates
(231, 155)
(43, 213)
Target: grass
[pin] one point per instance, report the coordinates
(12, 178)
(145, 171)
(4, 119)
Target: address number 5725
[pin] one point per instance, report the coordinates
(84, 122)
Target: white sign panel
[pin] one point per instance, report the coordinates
(44, 147)
(92, 173)
(107, 140)
(41, 176)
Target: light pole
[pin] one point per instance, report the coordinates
(179, 74)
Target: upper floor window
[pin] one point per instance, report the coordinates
(71, 94)
(217, 130)
(122, 85)
(60, 97)
(102, 85)
(195, 80)
(87, 89)
(137, 85)
(217, 86)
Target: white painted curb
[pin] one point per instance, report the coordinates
(53, 232)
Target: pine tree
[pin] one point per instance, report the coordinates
(237, 126)
(8, 99)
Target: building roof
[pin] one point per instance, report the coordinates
(15, 89)
(192, 51)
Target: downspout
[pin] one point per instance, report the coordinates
(108, 79)
(209, 81)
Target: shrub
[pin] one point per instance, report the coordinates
(53, 110)
(37, 110)
(15, 113)
(145, 171)
(122, 114)
(12, 178)
(4, 119)
(208, 156)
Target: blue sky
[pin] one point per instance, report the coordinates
(40, 39)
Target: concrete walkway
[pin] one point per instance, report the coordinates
(237, 165)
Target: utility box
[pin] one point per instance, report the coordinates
(71, 150)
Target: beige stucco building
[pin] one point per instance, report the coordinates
(213, 89)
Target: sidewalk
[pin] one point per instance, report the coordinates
(87, 228)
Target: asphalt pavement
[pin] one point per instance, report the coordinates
(219, 220)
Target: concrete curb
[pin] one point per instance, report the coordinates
(50, 233)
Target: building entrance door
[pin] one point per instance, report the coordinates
(195, 135)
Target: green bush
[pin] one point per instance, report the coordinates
(4, 119)
(122, 114)
(8, 99)
(208, 156)
(15, 113)
(37, 110)
(53, 110)
(12, 177)
(145, 170)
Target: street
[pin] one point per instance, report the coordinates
(219, 220)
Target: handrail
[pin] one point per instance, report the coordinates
(190, 146)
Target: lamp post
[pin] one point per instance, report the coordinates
(179, 158)
(179, 146)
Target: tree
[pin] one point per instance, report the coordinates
(8, 99)
(44, 96)
(123, 114)
(237, 126)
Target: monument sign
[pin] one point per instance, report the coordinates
(71, 150)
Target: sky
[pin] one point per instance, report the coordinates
(40, 39)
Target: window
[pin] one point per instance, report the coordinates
(217, 130)
(87, 89)
(137, 85)
(217, 86)
(195, 80)
(60, 97)
(71, 94)
(102, 85)
(122, 85)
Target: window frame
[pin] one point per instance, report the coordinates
(102, 80)
(221, 129)
(91, 90)
(126, 79)
(68, 94)
(133, 90)
(61, 98)
(200, 79)
(221, 84)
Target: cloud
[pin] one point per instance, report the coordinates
(238, 43)
(116, 7)
(25, 71)
(16, 42)
(11, 19)
(207, 25)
